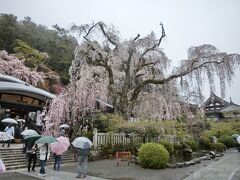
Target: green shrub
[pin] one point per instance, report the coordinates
(153, 155)
(177, 146)
(205, 142)
(220, 147)
(228, 141)
(168, 146)
(192, 144)
(106, 150)
(185, 146)
(89, 135)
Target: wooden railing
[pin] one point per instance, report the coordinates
(120, 138)
(108, 138)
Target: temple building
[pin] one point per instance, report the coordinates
(19, 99)
(218, 108)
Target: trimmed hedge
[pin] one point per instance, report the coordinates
(153, 156)
(228, 141)
(220, 147)
(168, 146)
(205, 142)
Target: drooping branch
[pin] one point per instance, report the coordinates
(136, 37)
(89, 31)
(155, 45)
(137, 67)
(110, 39)
(183, 73)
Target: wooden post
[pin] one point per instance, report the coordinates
(95, 138)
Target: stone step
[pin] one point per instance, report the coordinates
(18, 166)
(24, 159)
(8, 164)
(10, 161)
(24, 155)
(15, 158)
(10, 150)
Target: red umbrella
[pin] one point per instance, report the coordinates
(60, 146)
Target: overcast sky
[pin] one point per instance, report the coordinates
(187, 22)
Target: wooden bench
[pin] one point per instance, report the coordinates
(123, 156)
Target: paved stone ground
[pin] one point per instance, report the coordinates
(226, 168)
(108, 169)
(236, 176)
(16, 176)
(55, 175)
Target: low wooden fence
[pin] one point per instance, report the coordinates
(120, 138)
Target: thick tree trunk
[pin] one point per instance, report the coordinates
(124, 107)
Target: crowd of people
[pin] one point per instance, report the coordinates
(44, 154)
(32, 148)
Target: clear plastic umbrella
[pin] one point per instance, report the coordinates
(29, 132)
(21, 120)
(82, 142)
(9, 121)
(64, 126)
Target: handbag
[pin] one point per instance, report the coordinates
(2, 167)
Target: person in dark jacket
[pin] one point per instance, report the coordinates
(32, 156)
(82, 162)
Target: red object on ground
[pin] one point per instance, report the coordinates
(123, 156)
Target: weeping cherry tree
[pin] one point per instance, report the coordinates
(134, 72)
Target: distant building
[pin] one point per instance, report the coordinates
(216, 107)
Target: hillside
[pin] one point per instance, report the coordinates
(55, 42)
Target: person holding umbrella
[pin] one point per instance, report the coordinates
(10, 131)
(31, 150)
(44, 151)
(58, 148)
(32, 155)
(44, 156)
(82, 145)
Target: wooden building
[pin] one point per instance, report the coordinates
(216, 107)
(17, 98)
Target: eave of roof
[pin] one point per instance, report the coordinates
(25, 89)
(230, 108)
(7, 78)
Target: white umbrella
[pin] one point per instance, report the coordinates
(64, 126)
(82, 142)
(9, 121)
(29, 132)
(21, 120)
